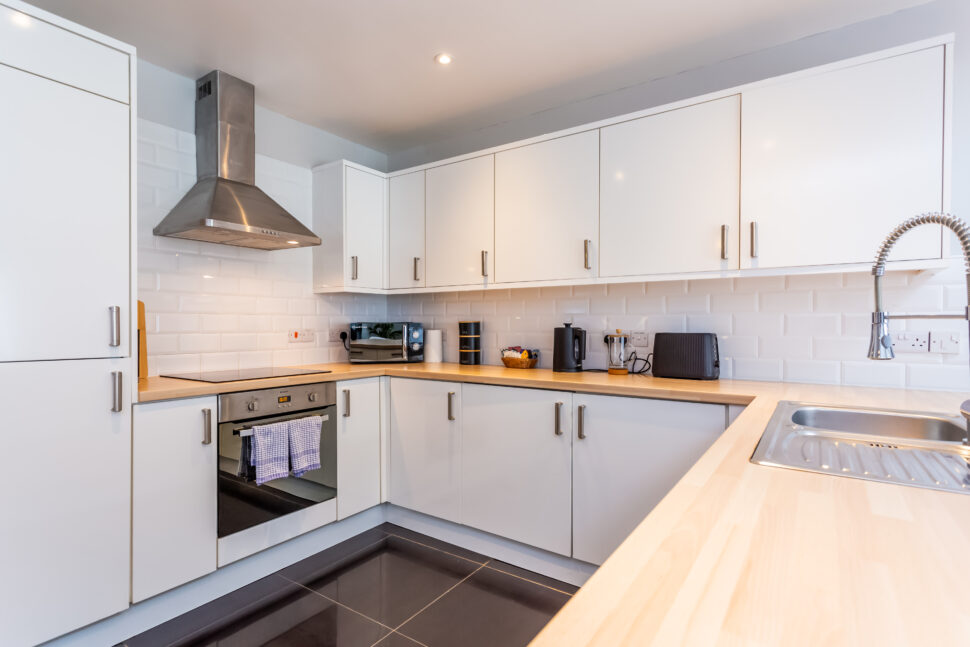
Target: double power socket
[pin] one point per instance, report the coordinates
(933, 341)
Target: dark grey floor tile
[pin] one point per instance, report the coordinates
(300, 620)
(336, 557)
(487, 610)
(396, 582)
(533, 577)
(391, 529)
(397, 640)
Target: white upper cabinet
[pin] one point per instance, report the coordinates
(669, 186)
(459, 223)
(349, 216)
(406, 257)
(358, 445)
(547, 210)
(65, 204)
(832, 161)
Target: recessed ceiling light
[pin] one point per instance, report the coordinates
(442, 58)
(292, 242)
(20, 19)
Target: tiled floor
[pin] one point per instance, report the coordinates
(387, 587)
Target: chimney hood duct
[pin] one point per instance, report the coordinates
(225, 206)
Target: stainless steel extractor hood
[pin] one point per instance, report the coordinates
(225, 206)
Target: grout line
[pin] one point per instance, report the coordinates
(440, 550)
(340, 604)
(377, 644)
(525, 579)
(438, 598)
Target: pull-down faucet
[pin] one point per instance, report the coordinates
(880, 341)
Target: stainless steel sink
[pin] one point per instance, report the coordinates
(909, 448)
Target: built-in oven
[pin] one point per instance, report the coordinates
(242, 503)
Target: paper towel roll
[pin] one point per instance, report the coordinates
(432, 346)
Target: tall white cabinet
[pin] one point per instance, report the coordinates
(66, 137)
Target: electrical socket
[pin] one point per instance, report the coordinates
(640, 339)
(300, 336)
(946, 343)
(334, 336)
(908, 341)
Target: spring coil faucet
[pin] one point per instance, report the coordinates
(880, 341)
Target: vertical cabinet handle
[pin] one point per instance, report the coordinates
(724, 242)
(485, 263)
(416, 259)
(581, 421)
(754, 239)
(207, 426)
(353, 268)
(586, 254)
(117, 402)
(114, 313)
(558, 419)
(346, 403)
(451, 405)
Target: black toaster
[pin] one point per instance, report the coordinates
(689, 355)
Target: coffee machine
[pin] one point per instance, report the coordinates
(568, 349)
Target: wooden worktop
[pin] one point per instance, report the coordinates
(742, 554)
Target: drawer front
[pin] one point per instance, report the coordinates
(38, 47)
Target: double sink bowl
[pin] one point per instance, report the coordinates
(918, 449)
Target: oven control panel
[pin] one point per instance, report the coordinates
(265, 402)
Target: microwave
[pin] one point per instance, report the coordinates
(399, 341)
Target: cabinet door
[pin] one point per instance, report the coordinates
(547, 210)
(426, 447)
(358, 445)
(67, 501)
(633, 453)
(669, 185)
(408, 264)
(364, 220)
(64, 196)
(516, 464)
(459, 225)
(831, 162)
(174, 493)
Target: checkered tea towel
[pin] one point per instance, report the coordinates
(271, 451)
(305, 444)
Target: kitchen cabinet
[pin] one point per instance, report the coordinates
(174, 494)
(358, 445)
(459, 223)
(67, 501)
(348, 215)
(627, 454)
(406, 259)
(547, 210)
(425, 447)
(670, 191)
(65, 194)
(834, 159)
(516, 464)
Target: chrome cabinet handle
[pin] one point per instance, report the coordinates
(581, 422)
(724, 242)
(114, 312)
(485, 263)
(116, 387)
(353, 268)
(451, 405)
(207, 426)
(346, 403)
(559, 419)
(586, 264)
(416, 259)
(754, 239)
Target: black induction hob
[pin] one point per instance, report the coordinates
(243, 374)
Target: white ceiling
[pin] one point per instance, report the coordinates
(363, 69)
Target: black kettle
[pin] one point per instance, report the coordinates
(568, 349)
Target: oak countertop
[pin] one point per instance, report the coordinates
(743, 554)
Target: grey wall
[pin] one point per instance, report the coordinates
(924, 21)
(168, 99)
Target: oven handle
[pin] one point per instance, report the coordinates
(245, 431)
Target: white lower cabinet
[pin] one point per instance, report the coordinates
(425, 447)
(174, 493)
(358, 445)
(632, 453)
(516, 464)
(64, 538)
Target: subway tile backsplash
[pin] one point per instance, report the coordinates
(214, 307)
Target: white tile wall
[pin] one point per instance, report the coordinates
(806, 328)
(212, 307)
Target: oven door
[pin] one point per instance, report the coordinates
(242, 504)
